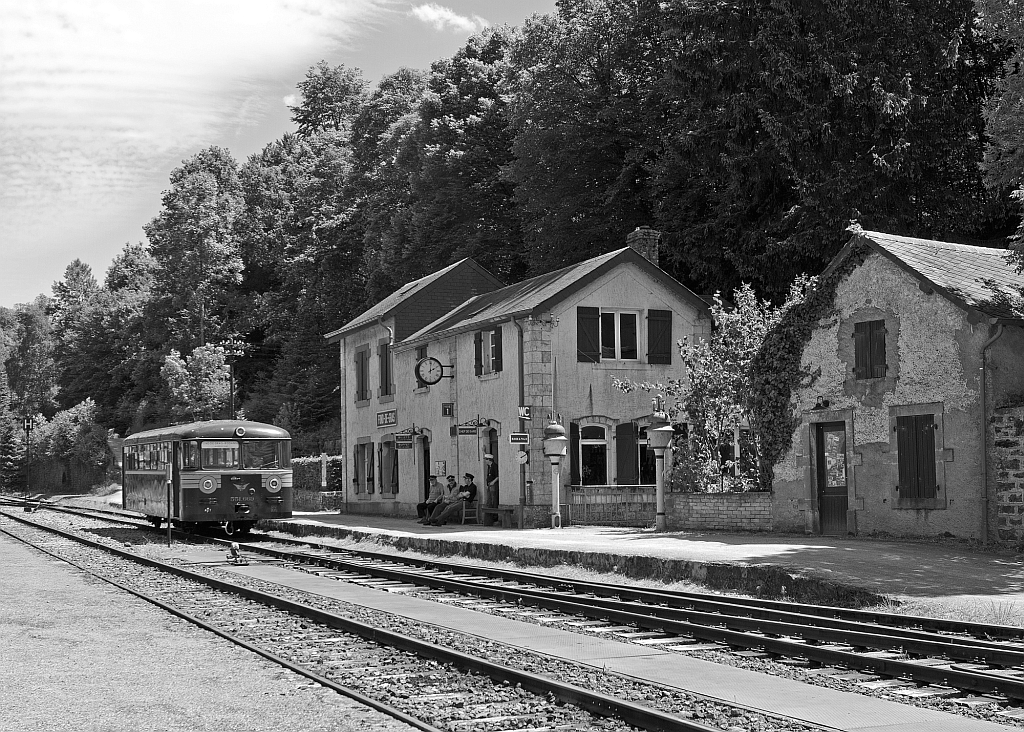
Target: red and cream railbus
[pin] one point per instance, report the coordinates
(229, 473)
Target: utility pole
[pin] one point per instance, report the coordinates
(27, 424)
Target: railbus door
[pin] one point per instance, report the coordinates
(833, 491)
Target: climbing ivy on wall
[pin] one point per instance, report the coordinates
(776, 371)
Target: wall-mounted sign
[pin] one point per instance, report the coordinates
(440, 468)
(524, 412)
(519, 438)
(447, 409)
(403, 442)
(467, 430)
(388, 418)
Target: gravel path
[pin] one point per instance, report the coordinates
(77, 654)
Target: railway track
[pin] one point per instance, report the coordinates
(413, 677)
(908, 657)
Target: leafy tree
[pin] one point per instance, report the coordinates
(786, 120)
(72, 298)
(330, 98)
(193, 243)
(461, 200)
(198, 384)
(30, 361)
(582, 86)
(72, 435)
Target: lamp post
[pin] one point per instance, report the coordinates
(554, 448)
(659, 437)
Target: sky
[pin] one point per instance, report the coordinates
(101, 99)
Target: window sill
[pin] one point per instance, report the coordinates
(390, 496)
(919, 503)
(488, 377)
(385, 398)
(363, 402)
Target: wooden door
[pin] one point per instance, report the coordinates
(833, 489)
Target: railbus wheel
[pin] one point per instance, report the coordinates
(155, 520)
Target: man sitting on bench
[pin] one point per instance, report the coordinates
(467, 493)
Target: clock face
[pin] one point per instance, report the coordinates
(429, 370)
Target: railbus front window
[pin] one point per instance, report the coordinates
(219, 454)
(264, 455)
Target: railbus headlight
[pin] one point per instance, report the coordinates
(207, 485)
(274, 484)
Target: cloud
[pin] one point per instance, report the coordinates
(99, 96)
(442, 18)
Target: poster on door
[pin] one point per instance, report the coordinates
(835, 459)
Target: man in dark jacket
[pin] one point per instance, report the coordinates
(466, 494)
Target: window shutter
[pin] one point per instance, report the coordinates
(588, 340)
(478, 341)
(369, 468)
(360, 376)
(906, 455)
(496, 364)
(574, 453)
(925, 436)
(861, 355)
(659, 336)
(382, 368)
(356, 464)
(626, 456)
(877, 349)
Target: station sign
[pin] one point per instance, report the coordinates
(519, 438)
(467, 430)
(403, 442)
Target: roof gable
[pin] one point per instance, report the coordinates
(978, 279)
(412, 292)
(540, 293)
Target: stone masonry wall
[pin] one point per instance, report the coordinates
(1008, 446)
(718, 511)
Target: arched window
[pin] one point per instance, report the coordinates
(593, 455)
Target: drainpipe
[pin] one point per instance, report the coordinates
(984, 434)
(522, 424)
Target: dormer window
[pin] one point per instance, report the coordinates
(869, 350)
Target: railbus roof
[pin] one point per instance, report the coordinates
(212, 429)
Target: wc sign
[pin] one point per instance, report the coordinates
(524, 413)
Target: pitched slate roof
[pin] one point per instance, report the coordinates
(975, 278)
(537, 294)
(398, 299)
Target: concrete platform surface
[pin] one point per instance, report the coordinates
(952, 571)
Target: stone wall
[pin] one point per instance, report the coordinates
(1008, 465)
(718, 511)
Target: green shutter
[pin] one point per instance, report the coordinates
(478, 349)
(588, 340)
(659, 336)
(626, 456)
(876, 348)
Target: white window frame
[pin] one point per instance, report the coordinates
(487, 342)
(589, 441)
(617, 348)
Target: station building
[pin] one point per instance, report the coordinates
(913, 421)
(497, 363)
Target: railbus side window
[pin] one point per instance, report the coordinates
(190, 455)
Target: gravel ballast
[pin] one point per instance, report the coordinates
(78, 654)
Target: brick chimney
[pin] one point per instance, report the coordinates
(645, 240)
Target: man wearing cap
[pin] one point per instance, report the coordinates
(423, 510)
(466, 494)
(491, 479)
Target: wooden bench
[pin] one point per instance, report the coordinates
(502, 515)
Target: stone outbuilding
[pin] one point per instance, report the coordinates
(497, 367)
(912, 422)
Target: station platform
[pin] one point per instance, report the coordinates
(833, 570)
